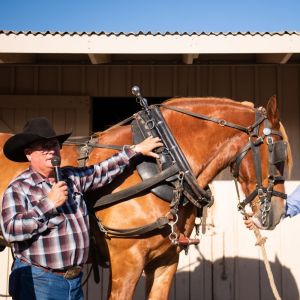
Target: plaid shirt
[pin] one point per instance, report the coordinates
(52, 237)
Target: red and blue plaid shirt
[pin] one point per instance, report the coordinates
(52, 237)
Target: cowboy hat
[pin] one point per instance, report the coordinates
(36, 129)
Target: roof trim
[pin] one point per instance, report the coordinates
(145, 43)
(72, 33)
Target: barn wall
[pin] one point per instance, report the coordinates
(226, 264)
(241, 82)
(67, 113)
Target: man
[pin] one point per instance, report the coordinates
(47, 221)
(292, 208)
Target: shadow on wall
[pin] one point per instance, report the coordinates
(233, 278)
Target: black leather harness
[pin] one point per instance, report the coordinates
(172, 179)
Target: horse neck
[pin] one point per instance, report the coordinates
(209, 147)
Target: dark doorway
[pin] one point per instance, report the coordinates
(109, 111)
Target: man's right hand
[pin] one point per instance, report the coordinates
(249, 223)
(59, 193)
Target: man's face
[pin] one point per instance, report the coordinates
(39, 154)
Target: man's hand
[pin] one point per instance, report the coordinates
(147, 145)
(249, 223)
(59, 193)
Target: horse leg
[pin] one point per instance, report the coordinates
(160, 274)
(126, 267)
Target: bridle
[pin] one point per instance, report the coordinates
(277, 154)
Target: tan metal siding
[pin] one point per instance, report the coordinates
(66, 112)
(241, 82)
(249, 81)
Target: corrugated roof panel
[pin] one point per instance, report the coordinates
(141, 33)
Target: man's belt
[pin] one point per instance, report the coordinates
(67, 273)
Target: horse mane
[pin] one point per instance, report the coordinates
(193, 99)
(248, 103)
(187, 99)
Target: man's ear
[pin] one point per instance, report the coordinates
(28, 152)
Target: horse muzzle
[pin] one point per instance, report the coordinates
(269, 219)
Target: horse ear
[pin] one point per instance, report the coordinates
(272, 112)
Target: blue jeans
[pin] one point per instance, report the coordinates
(32, 283)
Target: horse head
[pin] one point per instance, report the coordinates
(259, 168)
(252, 141)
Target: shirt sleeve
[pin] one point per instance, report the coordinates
(293, 203)
(104, 172)
(19, 223)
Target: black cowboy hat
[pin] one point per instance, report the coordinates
(37, 129)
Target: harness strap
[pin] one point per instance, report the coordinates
(138, 188)
(251, 196)
(93, 145)
(221, 122)
(258, 115)
(136, 231)
(257, 162)
(86, 146)
(235, 166)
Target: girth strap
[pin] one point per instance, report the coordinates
(136, 231)
(138, 188)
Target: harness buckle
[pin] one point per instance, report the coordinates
(260, 192)
(150, 124)
(222, 122)
(173, 235)
(259, 141)
(269, 140)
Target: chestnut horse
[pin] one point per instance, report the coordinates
(213, 134)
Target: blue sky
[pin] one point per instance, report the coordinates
(152, 15)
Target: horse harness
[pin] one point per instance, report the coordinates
(172, 178)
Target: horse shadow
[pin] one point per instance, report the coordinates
(229, 278)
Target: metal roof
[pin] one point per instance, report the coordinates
(141, 33)
(99, 47)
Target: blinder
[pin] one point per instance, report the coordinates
(277, 152)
